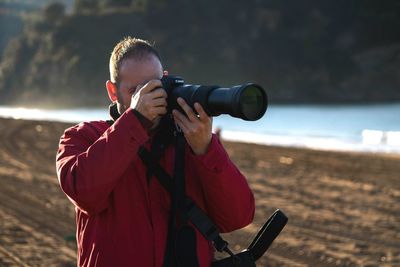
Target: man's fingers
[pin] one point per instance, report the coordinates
(150, 86)
(181, 120)
(158, 93)
(179, 116)
(159, 111)
(159, 102)
(188, 110)
(156, 112)
(202, 114)
(181, 125)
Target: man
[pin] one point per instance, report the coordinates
(122, 211)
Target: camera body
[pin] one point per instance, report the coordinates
(248, 101)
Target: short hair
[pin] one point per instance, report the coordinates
(129, 47)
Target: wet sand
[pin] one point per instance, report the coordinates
(343, 208)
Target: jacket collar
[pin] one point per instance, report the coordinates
(113, 110)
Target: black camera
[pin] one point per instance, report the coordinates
(248, 102)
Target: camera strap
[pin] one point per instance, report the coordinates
(185, 239)
(181, 239)
(189, 211)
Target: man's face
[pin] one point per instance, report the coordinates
(134, 73)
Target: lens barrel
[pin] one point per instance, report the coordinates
(248, 102)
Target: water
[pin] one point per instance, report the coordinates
(370, 128)
(373, 128)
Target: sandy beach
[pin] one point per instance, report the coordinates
(343, 208)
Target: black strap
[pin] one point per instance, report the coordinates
(169, 257)
(204, 225)
(194, 214)
(179, 174)
(185, 242)
(175, 190)
(180, 239)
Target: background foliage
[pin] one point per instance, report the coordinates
(301, 51)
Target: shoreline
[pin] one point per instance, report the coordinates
(319, 149)
(379, 135)
(234, 139)
(343, 207)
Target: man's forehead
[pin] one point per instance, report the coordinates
(150, 61)
(140, 71)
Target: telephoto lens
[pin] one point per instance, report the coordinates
(248, 102)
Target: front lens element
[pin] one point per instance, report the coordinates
(253, 102)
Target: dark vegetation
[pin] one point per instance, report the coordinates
(343, 51)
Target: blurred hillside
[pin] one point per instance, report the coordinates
(12, 13)
(301, 51)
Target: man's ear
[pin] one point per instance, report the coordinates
(111, 90)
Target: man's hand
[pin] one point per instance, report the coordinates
(197, 129)
(150, 100)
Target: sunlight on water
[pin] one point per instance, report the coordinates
(22, 113)
(374, 137)
(324, 143)
(393, 138)
(63, 115)
(374, 128)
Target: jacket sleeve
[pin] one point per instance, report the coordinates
(88, 166)
(228, 198)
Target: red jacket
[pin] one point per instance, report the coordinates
(121, 218)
